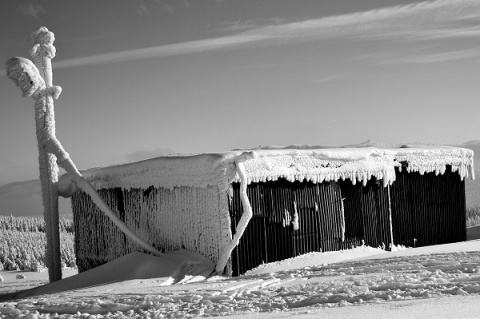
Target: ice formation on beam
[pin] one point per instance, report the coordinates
(316, 164)
(244, 220)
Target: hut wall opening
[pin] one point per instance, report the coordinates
(419, 209)
(428, 209)
(289, 219)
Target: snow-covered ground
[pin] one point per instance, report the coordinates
(440, 281)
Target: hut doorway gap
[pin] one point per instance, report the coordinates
(416, 210)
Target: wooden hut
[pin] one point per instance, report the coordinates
(244, 208)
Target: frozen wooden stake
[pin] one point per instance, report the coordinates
(36, 81)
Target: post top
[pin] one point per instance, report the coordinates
(43, 36)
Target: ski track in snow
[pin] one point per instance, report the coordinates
(330, 285)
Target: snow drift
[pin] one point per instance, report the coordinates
(175, 267)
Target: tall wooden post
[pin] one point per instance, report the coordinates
(36, 81)
(42, 53)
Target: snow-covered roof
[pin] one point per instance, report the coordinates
(359, 163)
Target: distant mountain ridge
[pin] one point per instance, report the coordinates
(474, 142)
(25, 198)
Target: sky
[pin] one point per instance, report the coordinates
(146, 78)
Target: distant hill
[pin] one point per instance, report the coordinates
(25, 199)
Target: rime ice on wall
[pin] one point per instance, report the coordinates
(183, 218)
(190, 209)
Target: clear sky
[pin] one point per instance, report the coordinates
(144, 78)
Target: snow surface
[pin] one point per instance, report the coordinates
(440, 281)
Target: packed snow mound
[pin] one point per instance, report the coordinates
(179, 266)
(316, 258)
(359, 163)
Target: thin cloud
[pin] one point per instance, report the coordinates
(439, 57)
(166, 8)
(153, 7)
(243, 25)
(328, 79)
(453, 32)
(237, 26)
(430, 20)
(419, 21)
(141, 10)
(161, 51)
(33, 10)
(155, 52)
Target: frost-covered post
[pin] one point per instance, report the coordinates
(36, 81)
(42, 52)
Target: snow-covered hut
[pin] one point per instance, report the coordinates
(246, 207)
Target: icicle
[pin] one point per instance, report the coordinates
(244, 220)
(390, 215)
(295, 222)
(364, 182)
(343, 219)
(286, 218)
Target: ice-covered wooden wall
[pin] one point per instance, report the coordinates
(182, 218)
(426, 209)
